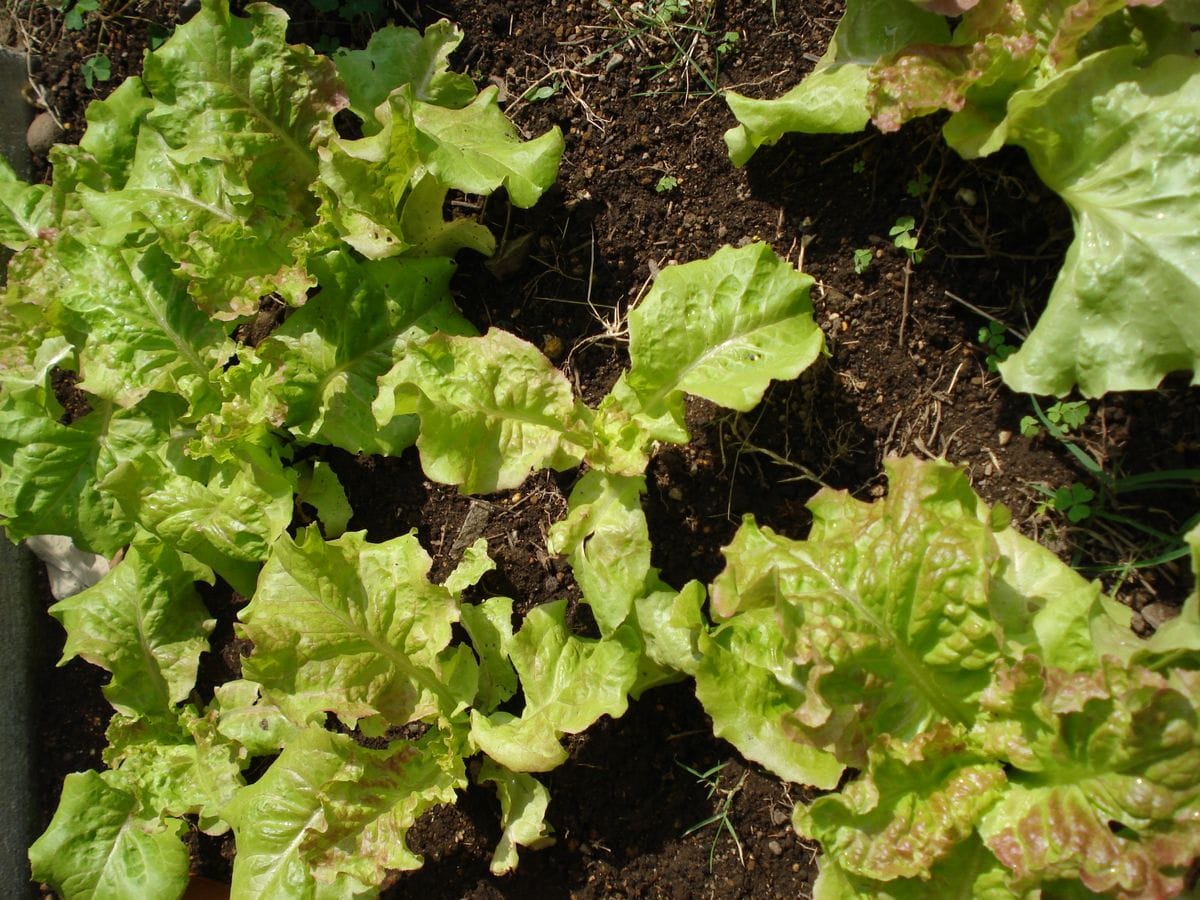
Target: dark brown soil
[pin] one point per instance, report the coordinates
(905, 374)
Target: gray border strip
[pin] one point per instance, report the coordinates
(18, 607)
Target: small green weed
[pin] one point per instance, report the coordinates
(992, 336)
(543, 92)
(860, 166)
(712, 780)
(903, 237)
(74, 12)
(96, 68)
(666, 183)
(862, 260)
(1068, 415)
(919, 186)
(1075, 502)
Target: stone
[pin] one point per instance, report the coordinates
(1158, 614)
(43, 133)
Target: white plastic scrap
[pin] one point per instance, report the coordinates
(71, 570)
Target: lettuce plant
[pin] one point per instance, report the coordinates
(212, 199)
(1007, 732)
(1103, 96)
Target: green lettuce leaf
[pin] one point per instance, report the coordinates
(489, 625)
(326, 359)
(363, 182)
(833, 97)
(244, 717)
(177, 765)
(523, 802)
(25, 209)
(228, 518)
(144, 623)
(607, 541)
(476, 149)
(745, 684)
(355, 629)
(1121, 144)
(97, 847)
(143, 332)
(492, 410)
(569, 682)
(320, 488)
(49, 472)
(398, 56)
(721, 328)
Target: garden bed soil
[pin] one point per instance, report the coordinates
(905, 374)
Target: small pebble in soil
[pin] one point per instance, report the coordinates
(775, 847)
(1003, 438)
(1158, 614)
(43, 133)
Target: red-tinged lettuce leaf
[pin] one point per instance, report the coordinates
(915, 803)
(569, 682)
(274, 816)
(968, 870)
(833, 97)
(50, 473)
(231, 90)
(177, 765)
(1106, 791)
(996, 50)
(492, 409)
(403, 56)
(355, 629)
(369, 805)
(1121, 144)
(98, 846)
(325, 360)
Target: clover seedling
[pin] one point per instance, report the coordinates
(992, 337)
(903, 237)
(96, 68)
(918, 186)
(862, 260)
(1074, 501)
(666, 183)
